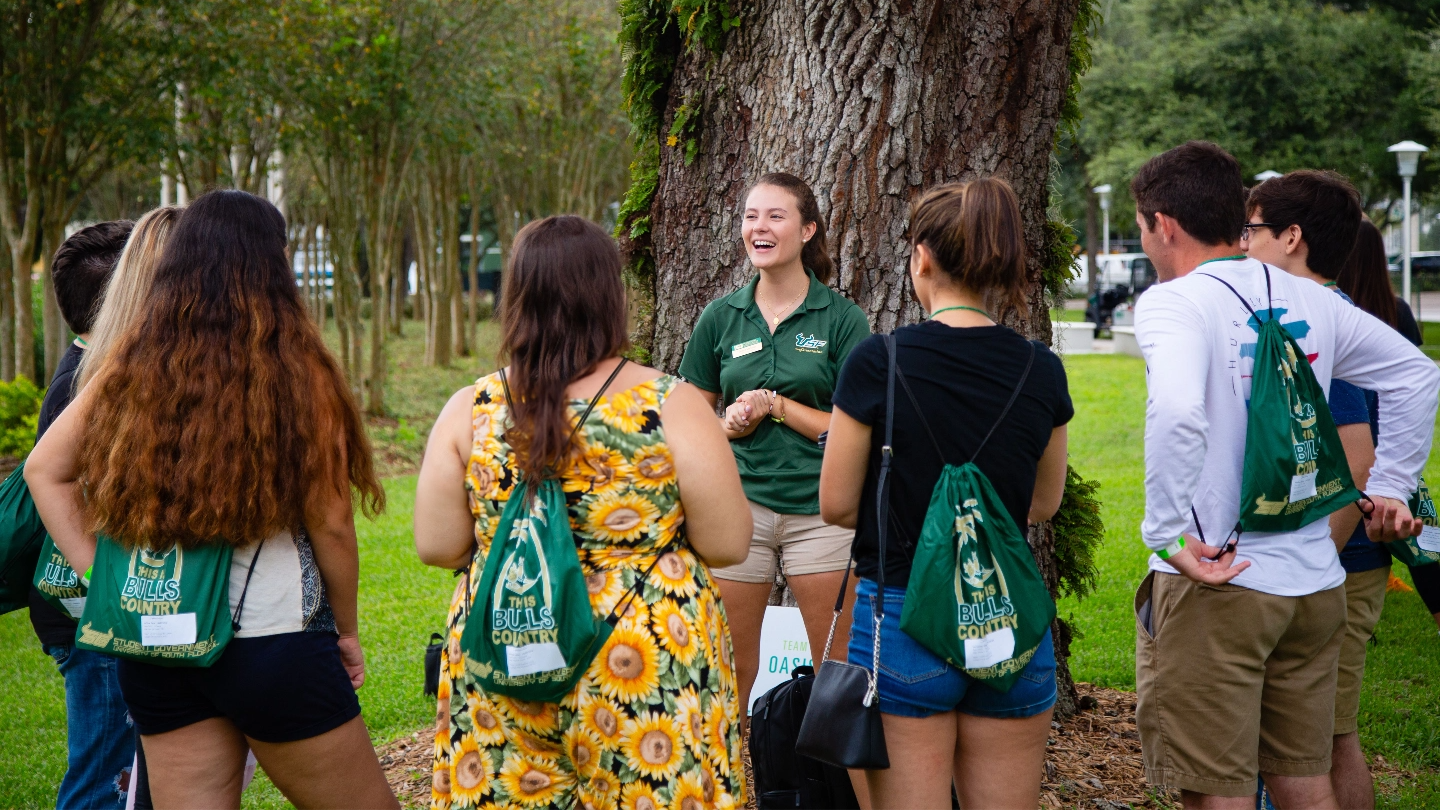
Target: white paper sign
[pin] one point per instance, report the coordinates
(1302, 486)
(166, 631)
(534, 658)
(783, 646)
(989, 650)
(1429, 539)
(74, 605)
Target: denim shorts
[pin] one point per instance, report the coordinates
(914, 682)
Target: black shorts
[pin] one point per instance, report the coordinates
(275, 689)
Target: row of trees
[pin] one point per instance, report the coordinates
(1282, 84)
(385, 129)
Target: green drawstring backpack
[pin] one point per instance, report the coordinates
(58, 583)
(531, 634)
(1423, 549)
(167, 608)
(1295, 470)
(975, 596)
(21, 536)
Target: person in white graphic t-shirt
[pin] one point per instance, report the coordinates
(1236, 652)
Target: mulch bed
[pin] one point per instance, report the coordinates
(1093, 761)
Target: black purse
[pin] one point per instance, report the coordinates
(842, 725)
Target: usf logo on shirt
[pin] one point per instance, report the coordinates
(809, 344)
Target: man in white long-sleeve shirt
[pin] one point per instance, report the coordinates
(1237, 647)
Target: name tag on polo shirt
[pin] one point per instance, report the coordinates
(748, 347)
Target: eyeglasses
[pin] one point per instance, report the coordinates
(1249, 228)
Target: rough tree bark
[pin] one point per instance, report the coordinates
(871, 103)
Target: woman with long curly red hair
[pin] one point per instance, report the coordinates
(220, 417)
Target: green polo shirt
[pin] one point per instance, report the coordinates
(732, 351)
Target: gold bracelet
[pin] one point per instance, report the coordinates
(781, 418)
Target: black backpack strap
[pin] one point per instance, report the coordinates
(505, 384)
(593, 402)
(240, 607)
(915, 403)
(1014, 395)
(1269, 294)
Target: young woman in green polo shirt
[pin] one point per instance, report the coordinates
(769, 354)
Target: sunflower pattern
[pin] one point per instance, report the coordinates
(653, 725)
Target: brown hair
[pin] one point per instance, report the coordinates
(220, 416)
(815, 255)
(1325, 206)
(563, 312)
(82, 267)
(975, 234)
(1198, 185)
(1366, 275)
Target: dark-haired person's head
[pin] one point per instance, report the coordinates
(82, 267)
(1187, 198)
(1307, 218)
(781, 210)
(972, 235)
(220, 414)
(1365, 277)
(562, 312)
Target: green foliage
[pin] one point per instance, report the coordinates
(1282, 85)
(19, 412)
(1087, 18)
(653, 34)
(1057, 262)
(1079, 531)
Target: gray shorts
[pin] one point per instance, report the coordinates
(799, 544)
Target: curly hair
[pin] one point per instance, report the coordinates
(219, 415)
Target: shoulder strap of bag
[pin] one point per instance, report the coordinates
(580, 423)
(240, 608)
(1014, 395)
(915, 404)
(505, 384)
(881, 511)
(1269, 294)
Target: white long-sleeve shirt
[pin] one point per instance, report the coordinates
(1199, 347)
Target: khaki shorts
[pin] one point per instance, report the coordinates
(1364, 599)
(799, 544)
(1233, 682)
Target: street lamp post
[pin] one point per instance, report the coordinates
(1104, 192)
(1407, 155)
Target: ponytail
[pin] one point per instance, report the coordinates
(815, 255)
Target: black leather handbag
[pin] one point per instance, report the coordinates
(842, 725)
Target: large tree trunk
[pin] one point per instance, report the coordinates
(871, 107)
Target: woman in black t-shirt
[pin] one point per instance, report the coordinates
(967, 257)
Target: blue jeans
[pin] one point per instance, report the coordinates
(100, 735)
(915, 682)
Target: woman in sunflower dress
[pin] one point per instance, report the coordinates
(654, 723)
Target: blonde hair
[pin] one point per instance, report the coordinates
(128, 290)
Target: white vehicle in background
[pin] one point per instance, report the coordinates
(1132, 270)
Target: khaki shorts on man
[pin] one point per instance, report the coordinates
(1220, 668)
(1364, 600)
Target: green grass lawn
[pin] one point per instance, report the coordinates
(1400, 704)
(403, 601)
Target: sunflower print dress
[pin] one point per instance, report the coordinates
(654, 723)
